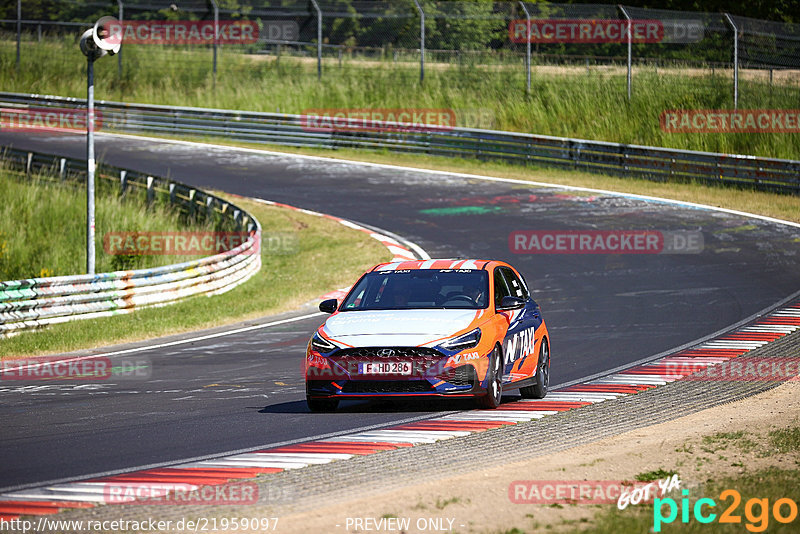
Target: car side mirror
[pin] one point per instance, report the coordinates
(511, 303)
(328, 306)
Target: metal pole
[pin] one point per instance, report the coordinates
(319, 39)
(119, 54)
(421, 41)
(216, 36)
(735, 61)
(90, 165)
(527, 45)
(19, 28)
(630, 48)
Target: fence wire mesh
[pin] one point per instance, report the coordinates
(407, 38)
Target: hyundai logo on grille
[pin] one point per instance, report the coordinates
(386, 353)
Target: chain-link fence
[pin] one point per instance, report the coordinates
(412, 37)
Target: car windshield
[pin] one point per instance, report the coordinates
(420, 288)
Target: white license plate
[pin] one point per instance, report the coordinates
(384, 368)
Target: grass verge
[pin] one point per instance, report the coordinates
(43, 228)
(328, 255)
(751, 511)
(592, 106)
(749, 496)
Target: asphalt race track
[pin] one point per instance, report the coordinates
(245, 390)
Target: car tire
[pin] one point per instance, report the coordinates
(494, 385)
(322, 405)
(539, 389)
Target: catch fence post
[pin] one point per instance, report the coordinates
(630, 47)
(421, 41)
(729, 19)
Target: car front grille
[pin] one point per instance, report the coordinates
(463, 375)
(387, 386)
(425, 362)
(371, 353)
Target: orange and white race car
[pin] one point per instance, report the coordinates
(444, 328)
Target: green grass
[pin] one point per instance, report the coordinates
(328, 256)
(570, 103)
(724, 440)
(651, 476)
(770, 483)
(43, 228)
(441, 504)
(785, 439)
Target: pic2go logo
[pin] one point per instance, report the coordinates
(756, 511)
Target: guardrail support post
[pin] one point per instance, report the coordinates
(729, 19)
(192, 205)
(123, 182)
(630, 47)
(210, 208)
(151, 193)
(171, 193)
(28, 165)
(527, 45)
(62, 169)
(319, 38)
(421, 41)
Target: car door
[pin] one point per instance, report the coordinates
(519, 345)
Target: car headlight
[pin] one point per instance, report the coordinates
(464, 341)
(321, 344)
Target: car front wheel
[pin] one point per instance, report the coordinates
(539, 389)
(494, 386)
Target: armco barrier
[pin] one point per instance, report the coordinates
(652, 163)
(37, 302)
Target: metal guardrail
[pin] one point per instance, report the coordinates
(38, 302)
(625, 160)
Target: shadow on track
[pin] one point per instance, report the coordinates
(383, 406)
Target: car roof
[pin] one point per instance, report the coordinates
(459, 263)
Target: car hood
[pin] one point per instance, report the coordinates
(374, 328)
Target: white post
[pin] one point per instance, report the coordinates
(319, 38)
(19, 28)
(216, 36)
(735, 61)
(90, 165)
(630, 47)
(119, 54)
(527, 45)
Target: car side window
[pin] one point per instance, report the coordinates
(515, 285)
(500, 287)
